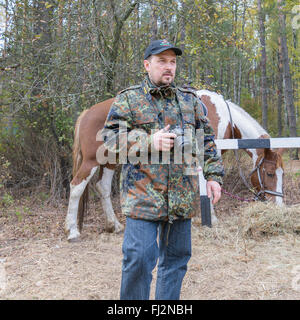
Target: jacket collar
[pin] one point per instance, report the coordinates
(168, 91)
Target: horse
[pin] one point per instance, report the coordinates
(228, 121)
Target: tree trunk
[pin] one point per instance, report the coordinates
(153, 24)
(242, 49)
(261, 19)
(227, 90)
(288, 86)
(279, 90)
(5, 30)
(296, 64)
(235, 66)
(59, 31)
(183, 70)
(69, 9)
(111, 70)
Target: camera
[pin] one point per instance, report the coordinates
(182, 141)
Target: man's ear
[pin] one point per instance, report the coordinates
(146, 65)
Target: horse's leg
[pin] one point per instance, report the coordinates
(104, 188)
(76, 191)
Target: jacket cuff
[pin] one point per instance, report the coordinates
(214, 178)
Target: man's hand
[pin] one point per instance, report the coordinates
(213, 188)
(163, 140)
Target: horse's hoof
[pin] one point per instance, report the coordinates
(74, 240)
(109, 229)
(74, 236)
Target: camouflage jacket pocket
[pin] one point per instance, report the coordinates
(148, 122)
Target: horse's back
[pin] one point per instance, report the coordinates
(90, 125)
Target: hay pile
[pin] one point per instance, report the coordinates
(266, 219)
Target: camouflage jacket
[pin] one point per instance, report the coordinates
(153, 188)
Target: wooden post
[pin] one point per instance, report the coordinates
(204, 200)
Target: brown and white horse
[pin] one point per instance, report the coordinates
(267, 177)
(267, 174)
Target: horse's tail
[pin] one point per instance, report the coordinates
(77, 160)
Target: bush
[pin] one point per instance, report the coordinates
(4, 172)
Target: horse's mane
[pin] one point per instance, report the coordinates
(247, 115)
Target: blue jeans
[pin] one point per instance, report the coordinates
(141, 252)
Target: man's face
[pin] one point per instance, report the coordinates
(161, 67)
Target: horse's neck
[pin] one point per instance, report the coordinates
(247, 128)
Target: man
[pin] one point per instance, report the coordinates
(159, 198)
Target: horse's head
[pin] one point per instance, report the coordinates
(267, 176)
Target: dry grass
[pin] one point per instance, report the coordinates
(266, 219)
(252, 253)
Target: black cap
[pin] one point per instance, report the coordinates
(158, 46)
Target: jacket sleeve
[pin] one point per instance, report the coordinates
(213, 167)
(118, 132)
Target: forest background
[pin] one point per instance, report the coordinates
(59, 57)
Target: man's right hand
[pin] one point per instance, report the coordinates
(163, 140)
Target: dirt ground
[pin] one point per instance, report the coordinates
(228, 262)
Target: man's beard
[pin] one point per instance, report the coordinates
(165, 82)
